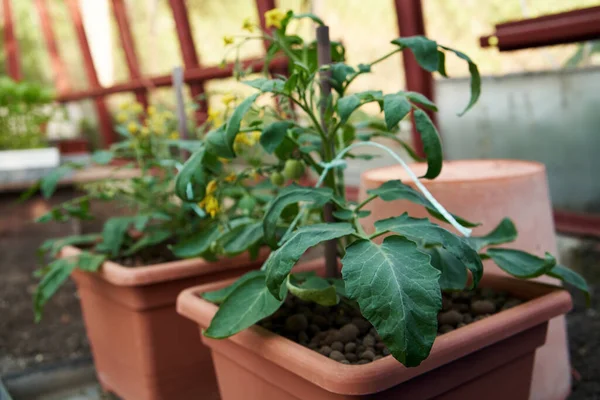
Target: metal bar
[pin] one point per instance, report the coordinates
(409, 15)
(108, 134)
(61, 80)
(11, 45)
(188, 52)
(128, 44)
(569, 27)
(577, 224)
(194, 75)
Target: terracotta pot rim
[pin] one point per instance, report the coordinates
(533, 167)
(120, 275)
(545, 302)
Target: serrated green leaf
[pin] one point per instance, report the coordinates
(505, 232)
(247, 304)
(290, 195)
(396, 190)
(197, 243)
(57, 273)
(431, 143)
(102, 157)
(314, 289)
(571, 277)
(241, 238)
(418, 98)
(521, 264)
(424, 50)
(398, 292)
(272, 136)
(49, 182)
(422, 230)
(219, 296)
(453, 273)
(475, 78)
(395, 108)
(281, 261)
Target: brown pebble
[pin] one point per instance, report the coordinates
(386, 352)
(362, 324)
(313, 329)
(360, 348)
(480, 307)
(350, 347)
(336, 355)
(367, 355)
(344, 362)
(467, 318)
(325, 350)
(313, 346)
(302, 337)
(339, 346)
(380, 346)
(377, 357)
(362, 361)
(445, 328)
(296, 323)
(487, 293)
(332, 336)
(460, 325)
(342, 320)
(511, 303)
(480, 317)
(321, 310)
(451, 317)
(320, 321)
(461, 307)
(369, 341)
(351, 357)
(348, 333)
(446, 303)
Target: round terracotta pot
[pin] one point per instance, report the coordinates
(480, 359)
(142, 349)
(486, 191)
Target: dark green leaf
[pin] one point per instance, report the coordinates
(475, 78)
(49, 182)
(442, 64)
(431, 143)
(273, 135)
(102, 157)
(453, 272)
(115, 229)
(396, 190)
(219, 296)
(290, 195)
(308, 15)
(53, 246)
(58, 272)
(150, 238)
(425, 51)
(421, 230)
(521, 264)
(571, 277)
(339, 74)
(241, 238)
(280, 262)
(247, 304)
(315, 289)
(347, 215)
(197, 243)
(190, 183)
(505, 232)
(267, 85)
(90, 262)
(418, 98)
(346, 106)
(395, 108)
(398, 292)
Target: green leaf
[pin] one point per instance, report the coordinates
(149, 239)
(442, 64)
(190, 183)
(424, 50)
(396, 190)
(218, 144)
(241, 238)
(219, 296)
(339, 74)
(290, 195)
(102, 157)
(58, 272)
(398, 292)
(347, 215)
(346, 106)
(421, 230)
(280, 262)
(266, 85)
(197, 243)
(273, 135)
(521, 264)
(309, 15)
(247, 304)
(49, 182)
(53, 246)
(475, 78)
(233, 125)
(313, 288)
(431, 143)
(395, 108)
(453, 272)
(115, 229)
(90, 262)
(571, 277)
(418, 98)
(505, 232)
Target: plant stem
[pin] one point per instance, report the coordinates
(365, 202)
(324, 56)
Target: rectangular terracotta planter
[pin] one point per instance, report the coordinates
(142, 349)
(492, 358)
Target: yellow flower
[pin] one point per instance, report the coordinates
(231, 177)
(151, 110)
(137, 108)
(254, 175)
(255, 136)
(122, 117)
(124, 106)
(174, 135)
(274, 17)
(165, 115)
(144, 131)
(132, 127)
(228, 98)
(243, 139)
(215, 117)
(224, 160)
(211, 187)
(227, 40)
(211, 205)
(248, 25)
